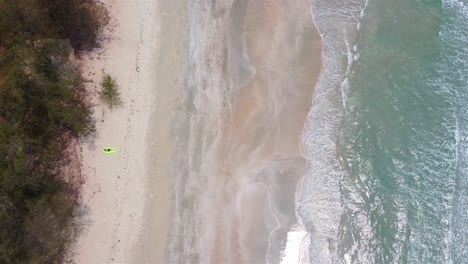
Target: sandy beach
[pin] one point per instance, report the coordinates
(126, 195)
(218, 108)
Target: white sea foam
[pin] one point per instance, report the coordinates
(458, 6)
(292, 252)
(320, 206)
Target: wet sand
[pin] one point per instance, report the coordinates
(260, 158)
(251, 170)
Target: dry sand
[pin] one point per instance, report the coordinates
(121, 190)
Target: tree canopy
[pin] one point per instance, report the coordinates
(41, 100)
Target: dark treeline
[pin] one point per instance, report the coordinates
(40, 107)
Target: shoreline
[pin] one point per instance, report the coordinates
(115, 192)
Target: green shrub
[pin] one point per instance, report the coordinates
(109, 93)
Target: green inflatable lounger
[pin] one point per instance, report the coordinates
(108, 150)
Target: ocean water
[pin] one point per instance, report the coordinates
(387, 137)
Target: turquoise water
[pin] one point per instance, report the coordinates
(396, 157)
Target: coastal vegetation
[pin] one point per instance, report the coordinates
(109, 93)
(41, 109)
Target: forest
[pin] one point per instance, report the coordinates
(42, 106)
